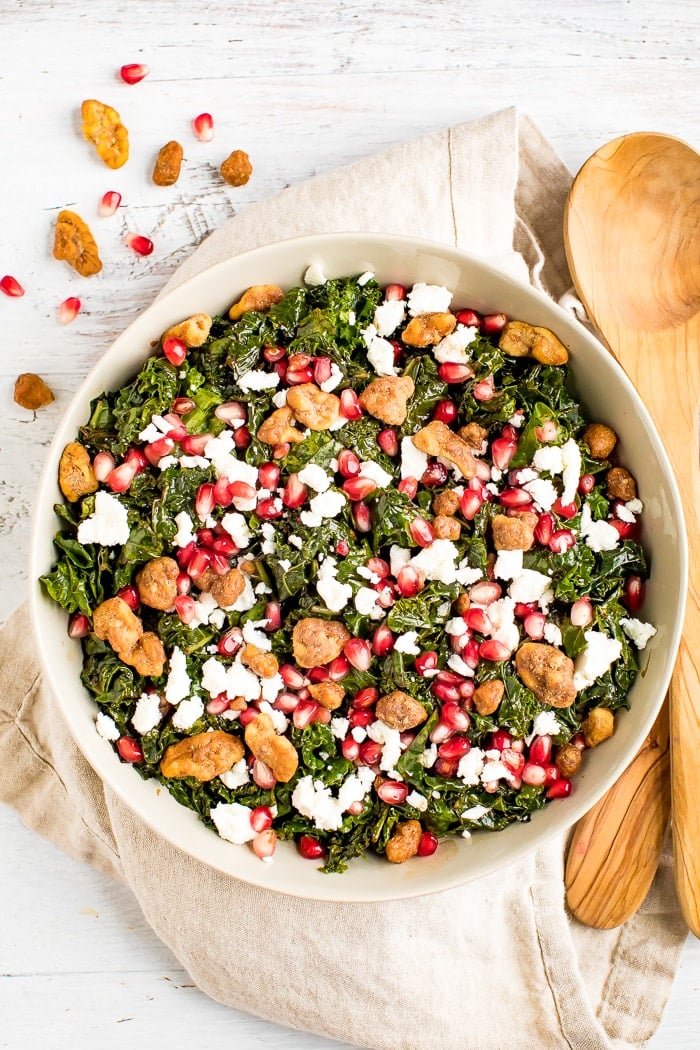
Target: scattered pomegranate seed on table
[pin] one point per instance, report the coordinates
(11, 287)
(138, 243)
(203, 127)
(134, 72)
(109, 202)
(69, 310)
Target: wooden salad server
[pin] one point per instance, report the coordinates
(632, 234)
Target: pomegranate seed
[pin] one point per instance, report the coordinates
(358, 652)
(262, 774)
(224, 545)
(560, 788)
(445, 692)
(359, 717)
(365, 698)
(273, 354)
(455, 716)
(394, 291)
(136, 459)
(139, 244)
(248, 715)
(350, 749)
(633, 593)
(69, 310)
(292, 676)
(441, 732)
(370, 752)
(342, 548)
(586, 484)
(466, 690)
(502, 452)
(534, 625)
(422, 532)
(338, 669)
(175, 350)
(579, 741)
(230, 642)
(223, 496)
(11, 287)
(533, 774)
(205, 538)
(471, 503)
(269, 509)
(129, 749)
(581, 614)
(204, 501)
(427, 844)
(103, 465)
(183, 583)
(493, 323)
(261, 818)
(203, 127)
(219, 563)
(388, 442)
(435, 473)
(185, 608)
(544, 529)
(562, 540)
(199, 561)
(109, 202)
(551, 773)
(455, 748)
(565, 510)
(241, 490)
(349, 404)
(484, 390)
(426, 662)
(362, 516)
(409, 581)
(450, 677)
(378, 566)
(269, 476)
(323, 369)
(78, 626)
(483, 474)
(310, 848)
(299, 361)
(541, 749)
(485, 592)
(348, 463)
(184, 554)
(547, 432)
(477, 620)
(513, 760)
(273, 616)
(130, 595)
(231, 412)
(382, 641)
(304, 713)
(297, 376)
(514, 498)
(393, 792)
(295, 493)
(445, 411)
(264, 844)
(194, 444)
(119, 479)
(158, 449)
(626, 529)
(501, 739)
(286, 702)
(470, 653)
(318, 674)
(451, 372)
(444, 768)
(406, 740)
(494, 650)
(408, 486)
(358, 488)
(133, 72)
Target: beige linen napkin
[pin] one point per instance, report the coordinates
(480, 967)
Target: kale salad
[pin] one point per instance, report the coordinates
(351, 566)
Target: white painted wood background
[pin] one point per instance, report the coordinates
(302, 87)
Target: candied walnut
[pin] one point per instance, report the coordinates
(265, 665)
(147, 657)
(548, 672)
(520, 339)
(386, 398)
(619, 484)
(568, 760)
(462, 604)
(103, 126)
(32, 392)
(279, 427)
(237, 169)
(194, 331)
(204, 756)
(275, 751)
(76, 477)
(446, 503)
(488, 696)
(446, 527)
(428, 329)
(516, 533)
(403, 844)
(312, 407)
(168, 163)
(598, 725)
(73, 242)
(258, 297)
(438, 440)
(400, 711)
(600, 439)
(248, 566)
(205, 580)
(114, 622)
(316, 642)
(227, 589)
(157, 583)
(327, 694)
(474, 435)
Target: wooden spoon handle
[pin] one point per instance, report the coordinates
(603, 889)
(685, 765)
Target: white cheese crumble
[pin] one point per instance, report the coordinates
(279, 400)
(107, 525)
(453, 347)
(339, 727)
(531, 586)
(232, 821)
(366, 603)
(237, 528)
(418, 801)
(178, 684)
(187, 712)
(388, 316)
(314, 276)
(294, 541)
(258, 380)
(336, 595)
(246, 599)
(545, 724)
(398, 557)
(414, 462)
(508, 565)
(438, 561)
(146, 713)
(428, 298)
(544, 495)
(470, 767)
(237, 776)
(376, 473)
(390, 739)
(600, 653)
(552, 634)
(428, 757)
(380, 352)
(253, 634)
(328, 504)
(314, 800)
(315, 477)
(365, 277)
(268, 545)
(234, 680)
(407, 643)
(637, 630)
(475, 813)
(548, 458)
(599, 535)
(457, 664)
(106, 727)
(503, 626)
(334, 378)
(278, 719)
(185, 527)
(635, 506)
(571, 474)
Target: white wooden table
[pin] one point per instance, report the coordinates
(302, 88)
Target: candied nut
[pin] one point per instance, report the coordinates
(275, 751)
(403, 844)
(76, 477)
(194, 331)
(265, 665)
(446, 527)
(568, 760)
(168, 163)
(316, 642)
(204, 756)
(73, 242)
(619, 484)
(386, 398)
(438, 440)
(103, 126)
(259, 297)
(227, 589)
(205, 580)
(32, 392)
(446, 503)
(488, 696)
(598, 725)
(516, 533)
(400, 711)
(547, 672)
(312, 407)
(147, 657)
(474, 435)
(279, 427)
(248, 566)
(157, 583)
(237, 169)
(462, 604)
(601, 440)
(328, 694)
(114, 622)
(520, 339)
(428, 329)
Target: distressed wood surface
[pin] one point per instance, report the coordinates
(302, 90)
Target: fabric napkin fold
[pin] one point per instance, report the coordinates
(474, 968)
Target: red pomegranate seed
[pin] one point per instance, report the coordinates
(533, 774)
(409, 581)
(297, 376)
(219, 563)
(494, 650)
(323, 369)
(565, 510)
(586, 484)
(230, 642)
(469, 318)
(484, 390)
(544, 529)
(365, 698)
(393, 792)
(231, 412)
(205, 538)
(273, 354)
(261, 818)
(241, 490)
(269, 476)
(426, 662)
(299, 361)
(466, 690)
(103, 465)
(513, 760)
(203, 127)
(633, 593)
(287, 702)
(388, 442)
(359, 488)
(455, 748)
(386, 594)
(581, 614)
(452, 372)
(158, 449)
(304, 713)
(295, 493)
(562, 540)
(184, 554)
(358, 652)
(514, 498)
(394, 292)
(318, 674)
(69, 310)
(78, 626)
(224, 545)
(350, 749)
(109, 202)
(534, 625)
(547, 432)
(342, 548)
(119, 479)
(471, 503)
(269, 509)
(470, 653)
(483, 475)
(264, 844)
(541, 749)
(248, 715)
(493, 323)
(194, 444)
(445, 411)
(223, 496)
(435, 473)
(129, 749)
(175, 350)
(338, 669)
(199, 561)
(455, 716)
(183, 583)
(133, 72)
(130, 595)
(378, 566)
(11, 287)
(441, 732)
(370, 752)
(292, 677)
(551, 773)
(502, 452)
(349, 405)
(136, 459)
(382, 641)
(578, 740)
(408, 486)
(427, 844)
(626, 529)
(501, 739)
(273, 615)
(449, 677)
(185, 607)
(445, 692)
(310, 848)
(348, 463)
(560, 788)
(444, 768)
(262, 774)
(477, 620)
(485, 592)
(358, 717)
(139, 244)
(204, 501)
(362, 516)
(422, 532)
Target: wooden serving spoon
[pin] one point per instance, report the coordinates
(632, 234)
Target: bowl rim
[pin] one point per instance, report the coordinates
(103, 761)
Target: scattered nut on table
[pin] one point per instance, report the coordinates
(32, 392)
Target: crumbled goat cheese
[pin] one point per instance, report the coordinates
(428, 299)
(545, 724)
(470, 767)
(268, 545)
(107, 525)
(475, 813)
(635, 506)
(376, 473)
(146, 713)
(637, 630)
(552, 634)
(366, 603)
(237, 528)
(453, 347)
(504, 629)
(328, 504)
(336, 595)
(388, 316)
(624, 514)
(315, 477)
(414, 463)
(106, 727)
(334, 378)
(156, 429)
(339, 727)
(253, 634)
(531, 586)
(232, 821)
(311, 520)
(456, 626)
(428, 757)
(278, 719)
(549, 458)
(362, 280)
(407, 643)
(185, 527)
(234, 680)
(457, 664)
(237, 776)
(246, 599)
(508, 565)
(418, 801)
(544, 495)
(167, 461)
(279, 400)
(190, 462)
(465, 574)
(380, 352)
(314, 800)
(258, 380)
(438, 561)
(390, 739)
(494, 770)
(270, 688)
(187, 712)
(599, 535)
(359, 733)
(178, 684)
(571, 474)
(398, 557)
(600, 653)
(314, 276)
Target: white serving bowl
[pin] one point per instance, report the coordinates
(609, 397)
